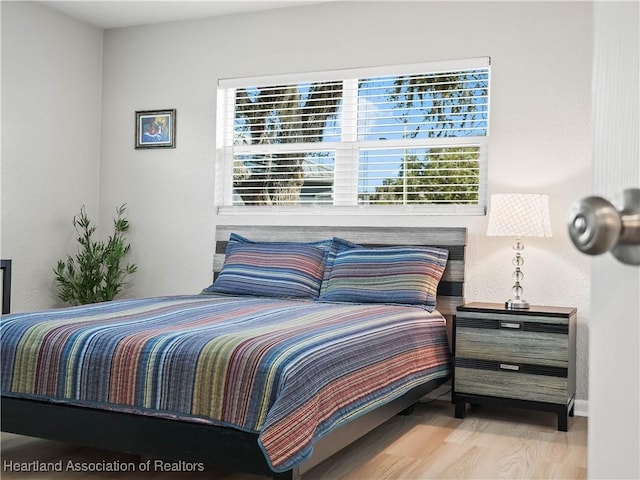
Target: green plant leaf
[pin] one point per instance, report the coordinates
(95, 273)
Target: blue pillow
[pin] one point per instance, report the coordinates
(271, 269)
(397, 275)
(236, 238)
(337, 245)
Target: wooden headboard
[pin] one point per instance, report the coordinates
(451, 288)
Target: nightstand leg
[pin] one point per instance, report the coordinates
(460, 407)
(563, 422)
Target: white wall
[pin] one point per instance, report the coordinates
(540, 126)
(51, 116)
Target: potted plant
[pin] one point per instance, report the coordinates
(95, 273)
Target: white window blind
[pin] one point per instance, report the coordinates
(397, 137)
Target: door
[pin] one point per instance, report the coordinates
(614, 324)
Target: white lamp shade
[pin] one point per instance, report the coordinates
(519, 215)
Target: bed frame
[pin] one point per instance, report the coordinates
(225, 448)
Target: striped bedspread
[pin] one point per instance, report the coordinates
(290, 370)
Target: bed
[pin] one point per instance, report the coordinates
(281, 412)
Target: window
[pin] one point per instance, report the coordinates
(400, 138)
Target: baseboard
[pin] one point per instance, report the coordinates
(581, 408)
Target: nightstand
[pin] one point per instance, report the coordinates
(515, 358)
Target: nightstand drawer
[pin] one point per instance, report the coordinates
(511, 384)
(512, 346)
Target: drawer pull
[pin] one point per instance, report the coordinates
(507, 366)
(510, 325)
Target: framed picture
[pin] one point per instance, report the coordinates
(156, 129)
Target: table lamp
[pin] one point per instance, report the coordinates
(519, 215)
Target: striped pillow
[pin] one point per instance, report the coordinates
(325, 244)
(337, 245)
(398, 275)
(271, 270)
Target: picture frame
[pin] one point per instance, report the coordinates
(155, 128)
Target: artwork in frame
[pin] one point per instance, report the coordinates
(156, 129)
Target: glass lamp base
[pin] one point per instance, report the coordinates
(517, 304)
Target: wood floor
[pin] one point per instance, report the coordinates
(428, 444)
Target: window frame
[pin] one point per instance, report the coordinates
(347, 148)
